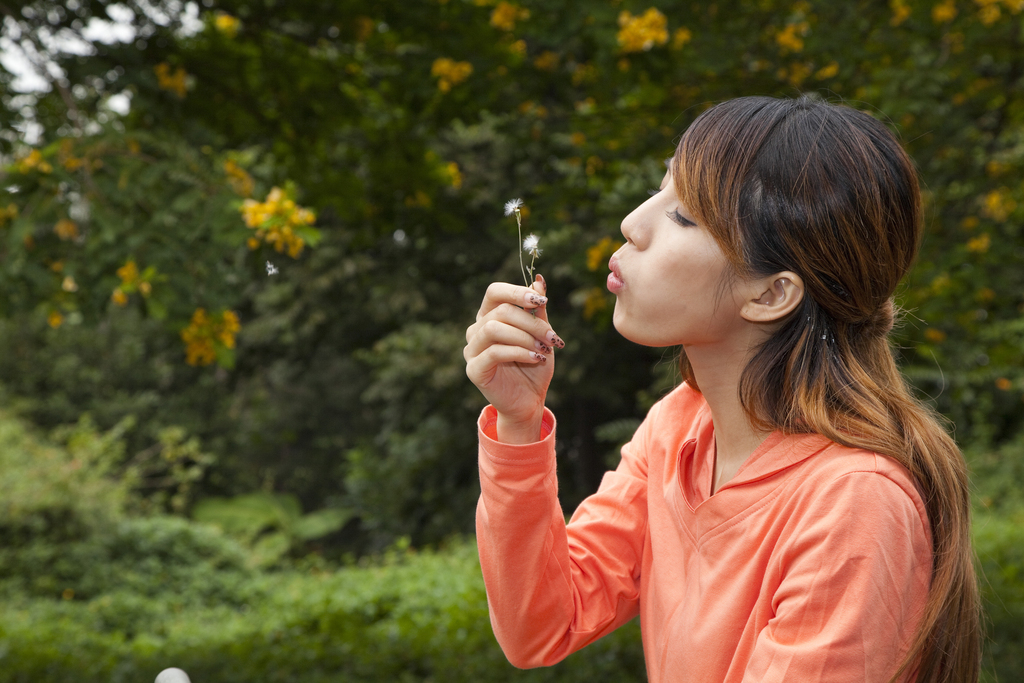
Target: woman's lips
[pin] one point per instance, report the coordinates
(615, 281)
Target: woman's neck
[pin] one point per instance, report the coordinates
(717, 372)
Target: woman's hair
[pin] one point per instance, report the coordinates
(826, 191)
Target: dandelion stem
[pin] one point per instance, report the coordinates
(522, 267)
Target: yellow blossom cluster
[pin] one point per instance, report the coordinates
(454, 174)
(990, 12)
(979, 244)
(276, 222)
(505, 15)
(171, 81)
(448, 72)
(8, 213)
(598, 254)
(546, 61)
(66, 229)
(900, 12)
(33, 161)
(227, 24)
(67, 156)
(790, 39)
(54, 319)
(641, 33)
(206, 332)
(998, 204)
(944, 12)
(132, 281)
(681, 37)
(241, 182)
(827, 71)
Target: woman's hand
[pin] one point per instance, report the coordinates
(510, 357)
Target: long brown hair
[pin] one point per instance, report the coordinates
(827, 192)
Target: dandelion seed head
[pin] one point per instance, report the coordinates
(512, 205)
(531, 245)
(271, 269)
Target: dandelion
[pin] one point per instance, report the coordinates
(271, 269)
(530, 244)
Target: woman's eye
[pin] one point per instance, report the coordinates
(680, 219)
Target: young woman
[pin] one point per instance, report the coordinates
(790, 512)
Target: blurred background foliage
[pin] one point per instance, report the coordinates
(241, 241)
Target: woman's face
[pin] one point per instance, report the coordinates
(672, 283)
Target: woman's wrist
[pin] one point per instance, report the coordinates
(518, 432)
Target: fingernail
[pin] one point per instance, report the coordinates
(536, 299)
(555, 339)
(542, 281)
(539, 356)
(544, 348)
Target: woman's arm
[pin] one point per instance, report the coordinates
(553, 589)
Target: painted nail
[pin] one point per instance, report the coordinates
(555, 339)
(536, 299)
(544, 348)
(539, 356)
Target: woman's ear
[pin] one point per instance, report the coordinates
(773, 298)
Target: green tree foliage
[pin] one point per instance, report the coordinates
(404, 127)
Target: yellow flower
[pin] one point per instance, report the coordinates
(944, 12)
(643, 32)
(681, 37)
(227, 24)
(578, 139)
(518, 48)
(934, 335)
(989, 13)
(175, 82)
(119, 297)
(790, 38)
(998, 204)
(449, 72)
(34, 161)
(128, 273)
(798, 73)
(54, 319)
(546, 61)
(900, 12)
(506, 14)
(1004, 384)
(598, 254)
(240, 181)
(66, 229)
(204, 333)
(69, 284)
(145, 288)
(275, 221)
(826, 72)
(979, 244)
(454, 174)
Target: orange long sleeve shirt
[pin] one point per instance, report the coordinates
(812, 564)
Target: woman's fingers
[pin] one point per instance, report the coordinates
(504, 303)
(499, 293)
(496, 332)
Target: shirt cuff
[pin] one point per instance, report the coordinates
(490, 447)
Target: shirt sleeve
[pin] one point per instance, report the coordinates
(553, 588)
(851, 588)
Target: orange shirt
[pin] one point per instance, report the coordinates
(812, 564)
